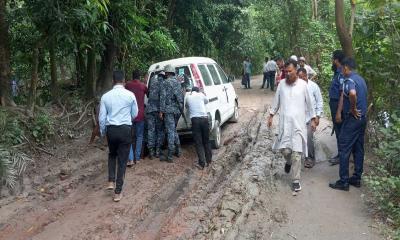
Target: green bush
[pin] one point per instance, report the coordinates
(11, 129)
(384, 178)
(42, 127)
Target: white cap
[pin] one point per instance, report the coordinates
(302, 59)
(293, 57)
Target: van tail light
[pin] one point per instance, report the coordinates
(196, 76)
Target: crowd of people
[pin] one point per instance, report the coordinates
(299, 102)
(125, 119)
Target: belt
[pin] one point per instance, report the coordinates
(205, 117)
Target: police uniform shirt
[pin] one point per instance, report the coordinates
(336, 84)
(357, 83)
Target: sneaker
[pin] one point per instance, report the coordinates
(117, 197)
(287, 168)
(296, 186)
(339, 185)
(110, 186)
(355, 182)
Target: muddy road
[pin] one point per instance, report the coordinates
(244, 194)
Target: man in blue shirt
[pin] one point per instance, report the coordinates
(351, 140)
(334, 95)
(118, 108)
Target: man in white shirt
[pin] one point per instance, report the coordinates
(269, 69)
(311, 74)
(196, 104)
(118, 108)
(318, 106)
(293, 101)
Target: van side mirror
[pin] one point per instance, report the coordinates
(231, 78)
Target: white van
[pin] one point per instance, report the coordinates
(206, 74)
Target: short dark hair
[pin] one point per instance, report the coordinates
(338, 55)
(291, 62)
(303, 70)
(266, 58)
(349, 62)
(118, 76)
(135, 74)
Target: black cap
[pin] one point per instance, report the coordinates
(195, 89)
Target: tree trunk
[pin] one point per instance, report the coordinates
(53, 74)
(90, 74)
(104, 82)
(80, 68)
(5, 70)
(342, 31)
(171, 11)
(34, 80)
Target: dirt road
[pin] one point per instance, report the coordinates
(243, 195)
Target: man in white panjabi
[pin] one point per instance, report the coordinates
(294, 102)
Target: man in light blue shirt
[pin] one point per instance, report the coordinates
(118, 108)
(318, 107)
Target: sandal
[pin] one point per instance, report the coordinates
(308, 163)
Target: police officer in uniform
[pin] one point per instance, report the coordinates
(334, 95)
(155, 133)
(171, 101)
(351, 140)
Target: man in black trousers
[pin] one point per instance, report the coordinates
(118, 107)
(196, 103)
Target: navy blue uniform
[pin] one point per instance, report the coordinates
(155, 137)
(171, 100)
(334, 95)
(351, 139)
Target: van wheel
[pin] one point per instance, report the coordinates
(216, 135)
(235, 117)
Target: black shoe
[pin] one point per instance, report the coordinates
(296, 186)
(355, 182)
(158, 153)
(170, 157)
(178, 151)
(287, 168)
(334, 161)
(339, 185)
(151, 153)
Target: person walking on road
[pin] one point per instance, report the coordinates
(171, 104)
(118, 107)
(247, 72)
(335, 90)
(139, 89)
(293, 101)
(353, 101)
(270, 69)
(196, 104)
(318, 106)
(155, 131)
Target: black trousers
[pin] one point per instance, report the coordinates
(119, 142)
(333, 105)
(271, 79)
(265, 76)
(200, 131)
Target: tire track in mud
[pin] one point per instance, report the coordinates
(233, 200)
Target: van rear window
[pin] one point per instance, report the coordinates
(206, 76)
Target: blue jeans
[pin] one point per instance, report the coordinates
(351, 140)
(139, 130)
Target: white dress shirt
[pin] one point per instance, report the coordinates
(316, 98)
(196, 103)
(117, 107)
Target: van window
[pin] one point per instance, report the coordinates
(205, 74)
(214, 74)
(184, 76)
(222, 74)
